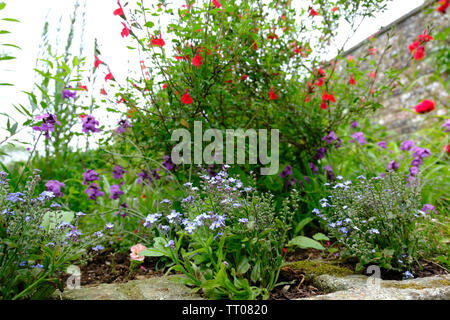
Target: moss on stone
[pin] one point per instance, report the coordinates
(317, 268)
(418, 286)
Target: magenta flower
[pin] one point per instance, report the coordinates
(314, 168)
(414, 171)
(428, 208)
(123, 124)
(382, 144)
(286, 172)
(168, 164)
(330, 137)
(446, 126)
(354, 124)
(329, 172)
(320, 153)
(55, 187)
(393, 165)
(66, 94)
(406, 145)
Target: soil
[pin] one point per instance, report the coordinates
(110, 267)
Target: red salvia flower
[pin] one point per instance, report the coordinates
(125, 31)
(109, 76)
(216, 3)
(313, 12)
(324, 105)
(372, 74)
(165, 86)
(244, 77)
(121, 100)
(425, 37)
(413, 46)
(82, 115)
(446, 148)
(420, 53)
(272, 94)
(352, 80)
(334, 9)
(320, 72)
(197, 60)
(119, 12)
(103, 92)
(373, 51)
(97, 62)
(158, 42)
(284, 250)
(255, 45)
(328, 97)
(272, 36)
(186, 98)
(425, 106)
(319, 82)
(83, 87)
(444, 4)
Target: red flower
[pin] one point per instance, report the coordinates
(255, 45)
(297, 50)
(313, 12)
(308, 99)
(320, 72)
(352, 80)
(97, 62)
(334, 9)
(272, 94)
(372, 74)
(444, 6)
(420, 53)
(82, 115)
(272, 36)
(158, 42)
(186, 98)
(413, 46)
(125, 31)
(165, 86)
(83, 87)
(197, 60)
(446, 148)
(103, 92)
(109, 76)
(216, 3)
(425, 106)
(121, 100)
(373, 51)
(328, 97)
(284, 250)
(244, 77)
(319, 82)
(118, 12)
(425, 37)
(324, 105)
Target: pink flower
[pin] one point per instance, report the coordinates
(125, 32)
(135, 250)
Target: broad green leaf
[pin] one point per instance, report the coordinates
(53, 218)
(305, 242)
(320, 237)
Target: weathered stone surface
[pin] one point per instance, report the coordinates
(156, 288)
(364, 288)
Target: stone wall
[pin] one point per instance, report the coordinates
(402, 32)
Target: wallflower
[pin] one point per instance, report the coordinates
(48, 124)
(94, 191)
(314, 169)
(168, 164)
(406, 145)
(354, 124)
(358, 137)
(68, 93)
(55, 187)
(320, 153)
(118, 172)
(446, 126)
(393, 165)
(428, 208)
(382, 144)
(90, 175)
(123, 124)
(286, 172)
(413, 171)
(329, 172)
(89, 123)
(134, 255)
(115, 192)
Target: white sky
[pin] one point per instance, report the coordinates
(103, 25)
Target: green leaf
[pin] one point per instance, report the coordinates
(10, 20)
(149, 24)
(320, 237)
(305, 242)
(243, 266)
(302, 224)
(2, 5)
(53, 218)
(152, 252)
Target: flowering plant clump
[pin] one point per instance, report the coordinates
(38, 241)
(374, 219)
(223, 236)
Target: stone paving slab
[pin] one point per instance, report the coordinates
(155, 288)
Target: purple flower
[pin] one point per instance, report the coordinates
(428, 208)
(359, 137)
(89, 124)
(55, 187)
(330, 137)
(290, 182)
(354, 124)
(118, 172)
(413, 171)
(94, 191)
(393, 165)
(98, 248)
(338, 143)
(48, 124)
(286, 172)
(306, 178)
(171, 244)
(168, 164)
(382, 144)
(68, 93)
(123, 124)
(314, 168)
(421, 152)
(446, 125)
(329, 172)
(320, 153)
(90, 175)
(122, 209)
(416, 162)
(147, 177)
(406, 145)
(115, 192)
